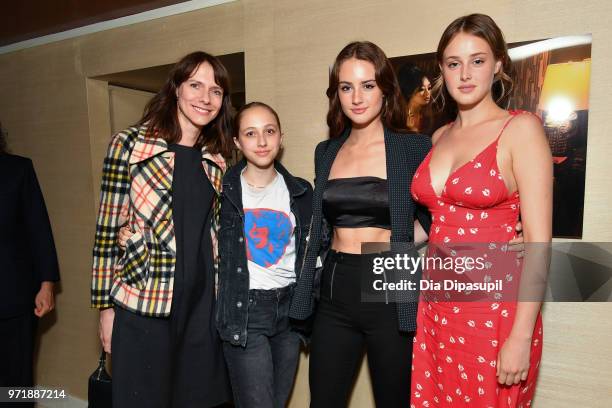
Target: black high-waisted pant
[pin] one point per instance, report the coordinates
(344, 328)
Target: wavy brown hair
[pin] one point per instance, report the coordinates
(161, 114)
(393, 113)
(482, 26)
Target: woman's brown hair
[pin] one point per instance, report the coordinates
(161, 115)
(393, 113)
(482, 26)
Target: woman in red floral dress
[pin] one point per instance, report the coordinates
(485, 353)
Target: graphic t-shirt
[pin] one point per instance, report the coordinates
(268, 229)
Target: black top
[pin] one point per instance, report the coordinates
(27, 250)
(404, 153)
(194, 283)
(357, 202)
(192, 197)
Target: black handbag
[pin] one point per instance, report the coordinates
(100, 386)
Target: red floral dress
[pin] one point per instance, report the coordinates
(457, 342)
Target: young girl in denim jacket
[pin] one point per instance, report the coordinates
(265, 214)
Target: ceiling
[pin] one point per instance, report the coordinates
(26, 19)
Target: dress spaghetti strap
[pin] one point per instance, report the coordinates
(513, 114)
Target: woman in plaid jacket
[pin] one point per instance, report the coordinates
(156, 298)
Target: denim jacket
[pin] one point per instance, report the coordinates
(233, 291)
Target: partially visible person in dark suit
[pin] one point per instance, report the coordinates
(28, 266)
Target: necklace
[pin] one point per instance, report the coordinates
(260, 187)
(254, 186)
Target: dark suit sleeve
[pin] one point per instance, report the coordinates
(319, 150)
(38, 229)
(422, 214)
(306, 185)
(424, 217)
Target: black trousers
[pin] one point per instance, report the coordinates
(344, 328)
(17, 336)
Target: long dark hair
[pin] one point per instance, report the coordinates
(482, 26)
(160, 114)
(410, 79)
(393, 114)
(3, 144)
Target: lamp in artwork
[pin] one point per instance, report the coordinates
(565, 91)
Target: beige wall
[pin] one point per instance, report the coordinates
(58, 116)
(126, 106)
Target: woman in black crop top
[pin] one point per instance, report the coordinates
(357, 202)
(363, 176)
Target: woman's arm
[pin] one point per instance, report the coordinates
(40, 239)
(419, 233)
(533, 172)
(112, 213)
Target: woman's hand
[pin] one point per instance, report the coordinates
(513, 360)
(105, 329)
(124, 234)
(518, 244)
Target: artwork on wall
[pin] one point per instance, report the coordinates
(551, 78)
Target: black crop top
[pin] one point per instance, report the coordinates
(357, 202)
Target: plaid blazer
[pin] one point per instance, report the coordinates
(137, 189)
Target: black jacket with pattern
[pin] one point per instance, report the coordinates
(404, 153)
